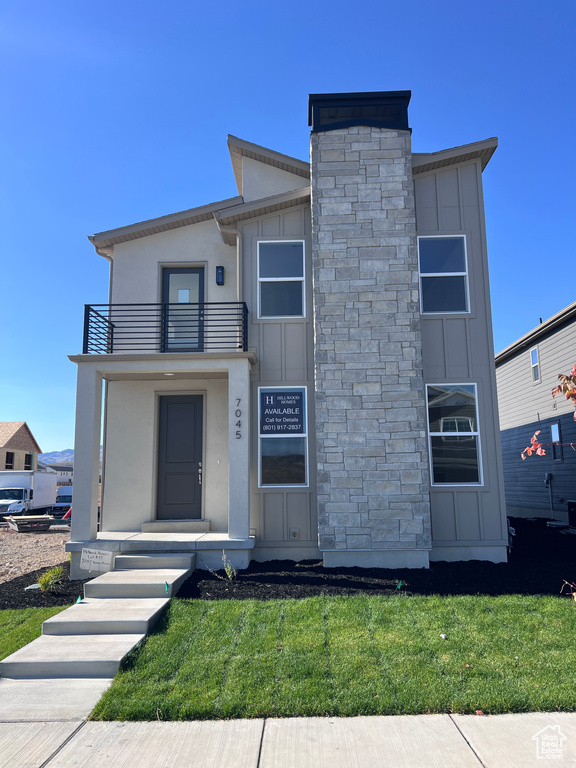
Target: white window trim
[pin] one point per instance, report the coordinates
(281, 280)
(446, 274)
(455, 434)
(532, 366)
(271, 437)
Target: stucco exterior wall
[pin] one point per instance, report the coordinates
(137, 266)
(262, 180)
(129, 494)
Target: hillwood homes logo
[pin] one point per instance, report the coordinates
(549, 743)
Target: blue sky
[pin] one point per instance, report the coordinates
(116, 112)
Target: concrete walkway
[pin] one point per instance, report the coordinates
(428, 741)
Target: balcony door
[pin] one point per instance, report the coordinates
(183, 310)
(180, 458)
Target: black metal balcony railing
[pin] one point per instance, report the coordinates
(206, 327)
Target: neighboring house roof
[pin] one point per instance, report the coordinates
(566, 315)
(431, 161)
(63, 467)
(45, 468)
(16, 435)
(239, 148)
(103, 241)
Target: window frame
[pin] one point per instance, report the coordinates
(28, 459)
(465, 275)
(299, 435)
(535, 366)
(557, 452)
(7, 462)
(475, 433)
(260, 280)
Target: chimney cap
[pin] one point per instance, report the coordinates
(381, 109)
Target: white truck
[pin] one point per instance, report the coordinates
(27, 492)
(63, 500)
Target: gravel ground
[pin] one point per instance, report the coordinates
(22, 553)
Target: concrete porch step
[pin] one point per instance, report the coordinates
(144, 582)
(113, 616)
(155, 560)
(176, 526)
(59, 656)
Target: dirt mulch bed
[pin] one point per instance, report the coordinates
(541, 559)
(13, 593)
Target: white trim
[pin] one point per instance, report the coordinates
(260, 280)
(536, 365)
(475, 434)
(446, 274)
(304, 435)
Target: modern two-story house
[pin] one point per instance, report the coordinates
(303, 370)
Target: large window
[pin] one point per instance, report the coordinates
(9, 464)
(283, 436)
(453, 433)
(28, 461)
(281, 279)
(443, 274)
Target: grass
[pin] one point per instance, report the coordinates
(20, 627)
(349, 656)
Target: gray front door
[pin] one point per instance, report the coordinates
(180, 458)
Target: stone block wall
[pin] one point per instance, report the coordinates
(373, 472)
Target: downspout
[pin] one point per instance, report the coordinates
(239, 255)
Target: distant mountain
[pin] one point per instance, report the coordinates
(58, 457)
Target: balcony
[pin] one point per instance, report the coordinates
(146, 328)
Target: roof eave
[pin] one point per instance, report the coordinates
(431, 161)
(240, 148)
(530, 338)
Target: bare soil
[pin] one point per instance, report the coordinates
(541, 559)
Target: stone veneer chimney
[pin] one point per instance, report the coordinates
(373, 471)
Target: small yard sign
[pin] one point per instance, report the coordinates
(96, 560)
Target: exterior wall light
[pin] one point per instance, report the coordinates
(219, 275)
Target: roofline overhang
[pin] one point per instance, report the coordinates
(239, 148)
(104, 242)
(229, 218)
(431, 161)
(529, 339)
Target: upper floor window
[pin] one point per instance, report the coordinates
(28, 461)
(9, 460)
(454, 434)
(535, 363)
(443, 274)
(281, 279)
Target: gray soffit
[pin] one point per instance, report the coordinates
(103, 241)
(529, 339)
(431, 161)
(228, 218)
(239, 148)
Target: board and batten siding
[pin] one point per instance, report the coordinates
(284, 347)
(458, 349)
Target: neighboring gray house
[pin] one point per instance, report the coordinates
(305, 370)
(527, 371)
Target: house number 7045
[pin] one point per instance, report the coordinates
(237, 415)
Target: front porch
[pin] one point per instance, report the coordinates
(128, 520)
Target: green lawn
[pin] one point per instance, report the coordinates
(350, 656)
(18, 628)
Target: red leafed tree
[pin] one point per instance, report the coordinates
(567, 387)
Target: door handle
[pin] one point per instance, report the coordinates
(200, 475)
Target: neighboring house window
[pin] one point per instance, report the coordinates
(556, 442)
(281, 279)
(454, 435)
(443, 274)
(283, 436)
(534, 362)
(28, 461)
(9, 460)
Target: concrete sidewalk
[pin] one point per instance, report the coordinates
(427, 741)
